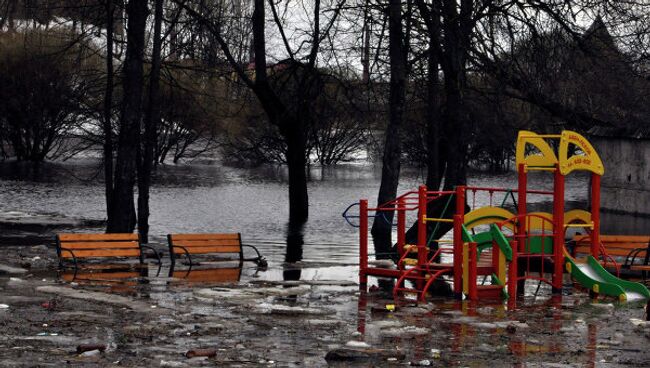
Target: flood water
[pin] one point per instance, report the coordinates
(254, 202)
(266, 319)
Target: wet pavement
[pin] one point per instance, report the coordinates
(253, 318)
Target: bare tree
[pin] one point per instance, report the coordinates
(382, 225)
(290, 116)
(45, 82)
(122, 217)
(151, 123)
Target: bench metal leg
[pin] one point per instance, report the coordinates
(259, 260)
(155, 253)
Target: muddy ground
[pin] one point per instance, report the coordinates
(162, 321)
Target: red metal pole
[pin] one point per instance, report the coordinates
(521, 204)
(512, 273)
(422, 226)
(459, 219)
(471, 273)
(401, 227)
(363, 242)
(595, 214)
(558, 229)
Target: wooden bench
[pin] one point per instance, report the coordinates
(632, 248)
(203, 244)
(82, 246)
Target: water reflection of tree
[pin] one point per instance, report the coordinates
(295, 241)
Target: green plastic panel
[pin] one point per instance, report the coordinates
(535, 244)
(502, 241)
(467, 237)
(495, 281)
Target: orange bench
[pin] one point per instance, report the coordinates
(633, 247)
(82, 246)
(209, 243)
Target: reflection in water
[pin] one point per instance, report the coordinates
(295, 241)
(110, 278)
(487, 334)
(214, 274)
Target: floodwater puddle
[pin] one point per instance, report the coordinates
(305, 309)
(260, 316)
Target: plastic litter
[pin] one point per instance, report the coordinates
(201, 353)
(90, 347)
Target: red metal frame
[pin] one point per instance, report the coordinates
(521, 242)
(522, 183)
(558, 228)
(472, 272)
(595, 214)
(363, 242)
(401, 226)
(422, 226)
(458, 240)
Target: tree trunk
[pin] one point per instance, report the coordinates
(151, 122)
(457, 26)
(435, 169)
(382, 224)
(291, 127)
(123, 208)
(295, 138)
(108, 111)
(365, 56)
(455, 121)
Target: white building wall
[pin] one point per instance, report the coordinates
(626, 182)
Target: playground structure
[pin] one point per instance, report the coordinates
(492, 241)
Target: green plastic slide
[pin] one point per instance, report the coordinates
(593, 276)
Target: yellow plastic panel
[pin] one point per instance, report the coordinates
(588, 160)
(487, 216)
(577, 217)
(538, 221)
(545, 157)
(501, 271)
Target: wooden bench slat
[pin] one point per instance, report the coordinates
(618, 252)
(611, 251)
(100, 245)
(640, 268)
(86, 253)
(629, 246)
(176, 237)
(625, 238)
(616, 238)
(209, 249)
(206, 243)
(98, 237)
